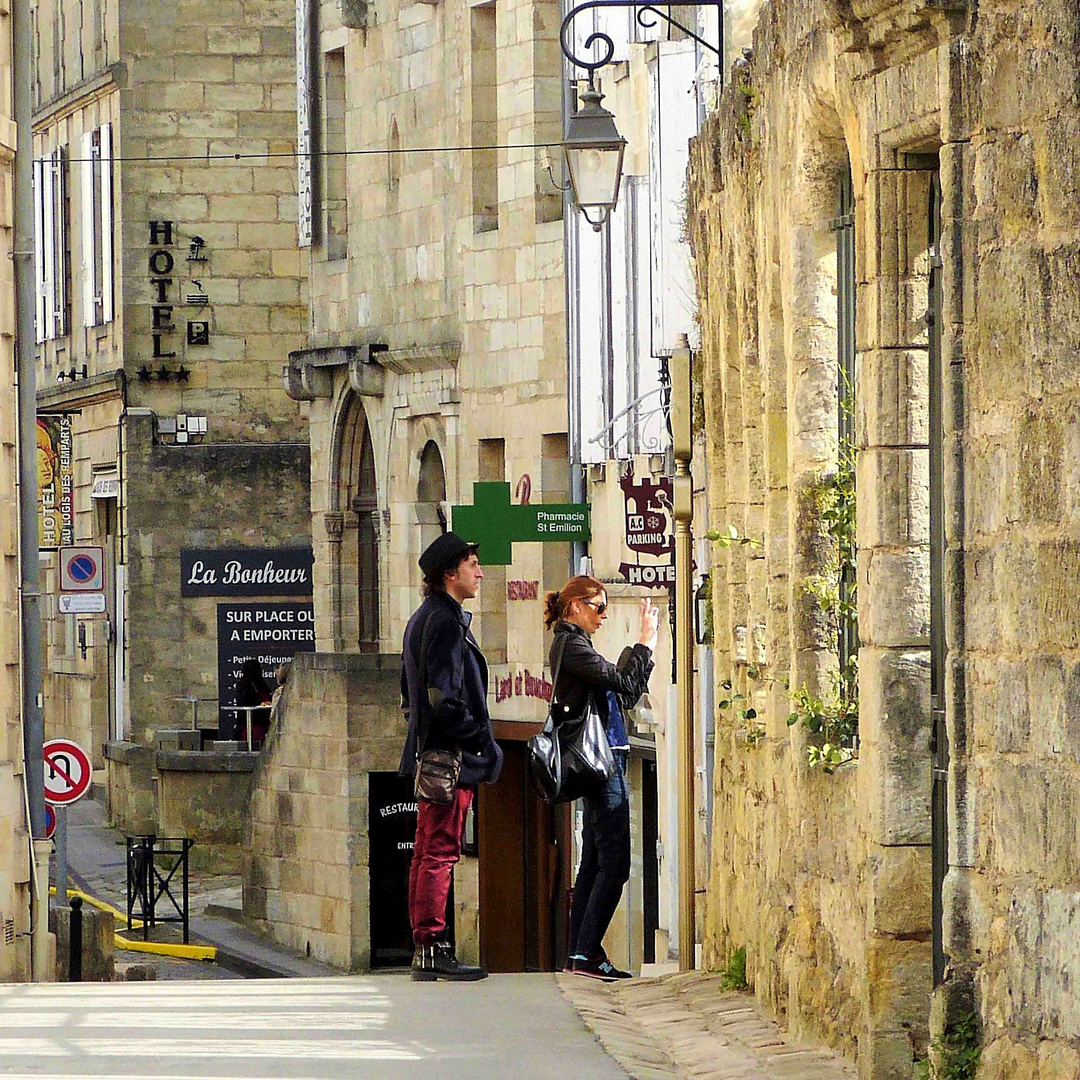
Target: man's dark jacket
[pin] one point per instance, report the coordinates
(584, 669)
(452, 706)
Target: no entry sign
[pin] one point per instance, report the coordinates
(67, 771)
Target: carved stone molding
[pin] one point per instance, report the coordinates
(365, 378)
(414, 358)
(307, 383)
(334, 524)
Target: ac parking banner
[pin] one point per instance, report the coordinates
(56, 483)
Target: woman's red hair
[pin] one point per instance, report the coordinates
(556, 604)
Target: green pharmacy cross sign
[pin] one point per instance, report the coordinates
(494, 524)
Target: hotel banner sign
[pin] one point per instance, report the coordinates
(56, 483)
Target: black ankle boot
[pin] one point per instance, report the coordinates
(438, 961)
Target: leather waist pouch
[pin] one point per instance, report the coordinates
(437, 773)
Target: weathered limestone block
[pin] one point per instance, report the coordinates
(895, 731)
(894, 602)
(892, 405)
(98, 948)
(898, 893)
(894, 497)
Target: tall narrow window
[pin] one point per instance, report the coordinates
(335, 197)
(493, 625)
(97, 226)
(846, 294)
(51, 209)
(485, 119)
(366, 504)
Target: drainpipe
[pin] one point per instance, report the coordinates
(683, 506)
(29, 594)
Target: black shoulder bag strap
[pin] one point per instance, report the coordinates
(561, 646)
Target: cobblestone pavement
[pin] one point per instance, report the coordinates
(684, 1025)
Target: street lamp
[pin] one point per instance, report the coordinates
(593, 146)
(594, 157)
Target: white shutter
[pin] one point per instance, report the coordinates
(40, 187)
(106, 202)
(88, 247)
(60, 226)
(48, 242)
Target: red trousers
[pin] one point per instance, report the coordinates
(437, 847)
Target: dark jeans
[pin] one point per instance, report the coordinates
(439, 831)
(605, 863)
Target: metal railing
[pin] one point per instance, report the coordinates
(152, 866)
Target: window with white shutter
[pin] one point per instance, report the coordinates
(97, 226)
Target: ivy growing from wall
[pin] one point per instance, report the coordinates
(833, 716)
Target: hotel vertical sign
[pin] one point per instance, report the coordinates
(305, 109)
(56, 483)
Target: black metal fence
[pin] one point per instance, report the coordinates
(153, 864)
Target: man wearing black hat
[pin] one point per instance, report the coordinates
(444, 689)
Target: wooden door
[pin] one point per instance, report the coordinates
(522, 879)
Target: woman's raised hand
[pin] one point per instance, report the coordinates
(650, 624)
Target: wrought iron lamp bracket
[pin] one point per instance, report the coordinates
(646, 16)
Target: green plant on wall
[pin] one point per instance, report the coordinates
(957, 1051)
(734, 976)
(754, 731)
(731, 537)
(834, 716)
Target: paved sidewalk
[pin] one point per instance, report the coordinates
(97, 863)
(684, 1025)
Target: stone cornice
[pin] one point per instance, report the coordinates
(82, 392)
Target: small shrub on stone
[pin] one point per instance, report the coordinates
(734, 977)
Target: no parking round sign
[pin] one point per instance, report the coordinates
(67, 771)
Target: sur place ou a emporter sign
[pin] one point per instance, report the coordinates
(246, 572)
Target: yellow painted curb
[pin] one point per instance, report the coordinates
(101, 905)
(160, 948)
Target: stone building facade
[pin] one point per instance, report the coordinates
(170, 293)
(882, 212)
(435, 358)
(14, 834)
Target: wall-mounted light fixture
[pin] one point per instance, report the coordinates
(593, 146)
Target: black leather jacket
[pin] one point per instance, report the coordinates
(584, 669)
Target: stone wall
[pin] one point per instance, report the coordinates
(211, 496)
(1013, 452)
(305, 869)
(827, 879)
(206, 797)
(824, 878)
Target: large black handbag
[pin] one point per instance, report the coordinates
(570, 756)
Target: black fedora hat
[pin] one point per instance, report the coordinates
(444, 552)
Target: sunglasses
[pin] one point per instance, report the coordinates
(598, 608)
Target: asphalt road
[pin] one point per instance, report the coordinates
(350, 1028)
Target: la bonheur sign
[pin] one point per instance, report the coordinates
(246, 572)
